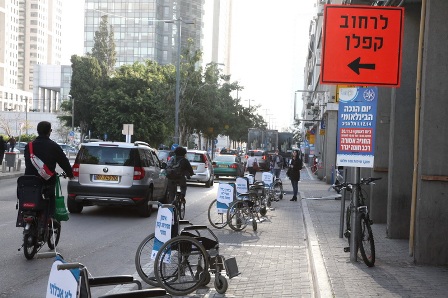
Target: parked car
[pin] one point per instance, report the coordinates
(20, 146)
(228, 165)
(262, 158)
(202, 167)
(69, 150)
(164, 155)
(117, 173)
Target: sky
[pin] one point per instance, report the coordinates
(269, 48)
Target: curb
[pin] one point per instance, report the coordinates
(321, 281)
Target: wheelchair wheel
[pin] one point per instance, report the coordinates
(216, 219)
(278, 191)
(238, 215)
(143, 262)
(177, 264)
(56, 231)
(221, 284)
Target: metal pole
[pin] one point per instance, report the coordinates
(26, 115)
(73, 115)
(341, 220)
(354, 220)
(176, 115)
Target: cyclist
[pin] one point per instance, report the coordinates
(48, 154)
(186, 170)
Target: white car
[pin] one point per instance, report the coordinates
(202, 167)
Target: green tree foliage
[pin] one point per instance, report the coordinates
(104, 48)
(143, 94)
(86, 80)
(136, 94)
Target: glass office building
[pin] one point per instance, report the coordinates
(140, 28)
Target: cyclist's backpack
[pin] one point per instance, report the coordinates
(173, 168)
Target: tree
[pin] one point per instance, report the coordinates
(136, 94)
(104, 48)
(86, 80)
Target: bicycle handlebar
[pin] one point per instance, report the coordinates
(68, 266)
(349, 185)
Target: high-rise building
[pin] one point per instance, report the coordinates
(30, 34)
(141, 30)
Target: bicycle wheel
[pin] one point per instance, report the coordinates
(216, 219)
(278, 191)
(366, 242)
(143, 262)
(348, 215)
(181, 210)
(179, 263)
(56, 231)
(238, 215)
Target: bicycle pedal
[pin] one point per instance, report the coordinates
(347, 249)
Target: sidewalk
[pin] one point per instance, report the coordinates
(394, 273)
(11, 172)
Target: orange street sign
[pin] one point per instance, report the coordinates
(362, 45)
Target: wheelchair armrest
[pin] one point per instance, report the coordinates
(113, 280)
(157, 292)
(184, 222)
(194, 227)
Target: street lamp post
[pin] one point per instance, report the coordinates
(179, 22)
(73, 112)
(26, 115)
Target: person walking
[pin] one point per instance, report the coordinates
(185, 169)
(277, 163)
(295, 166)
(12, 143)
(250, 164)
(3, 148)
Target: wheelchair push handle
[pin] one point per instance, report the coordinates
(68, 266)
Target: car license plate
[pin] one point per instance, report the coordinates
(194, 167)
(112, 178)
(223, 166)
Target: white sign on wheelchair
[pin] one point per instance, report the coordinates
(241, 185)
(225, 196)
(250, 178)
(267, 178)
(162, 231)
(62, 283)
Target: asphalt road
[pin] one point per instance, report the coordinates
(104, 239)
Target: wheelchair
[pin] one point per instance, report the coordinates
(74, 280)
(187, 261)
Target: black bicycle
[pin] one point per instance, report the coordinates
(365, 238)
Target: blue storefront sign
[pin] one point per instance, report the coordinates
(356, 127)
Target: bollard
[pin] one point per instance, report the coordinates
(4, 167)
(19, 164)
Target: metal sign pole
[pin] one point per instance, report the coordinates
(354, 220)
(341, 221)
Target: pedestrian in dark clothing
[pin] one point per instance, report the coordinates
(50, 153)
(187, 171)
(12, 144)
(295, 166)
(3, 148)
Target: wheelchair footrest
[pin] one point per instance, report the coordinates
(347, 249)
(113, 280)
(231, 267)
(157, 292)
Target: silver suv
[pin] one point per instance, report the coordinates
(116, 173)
(202, 167)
